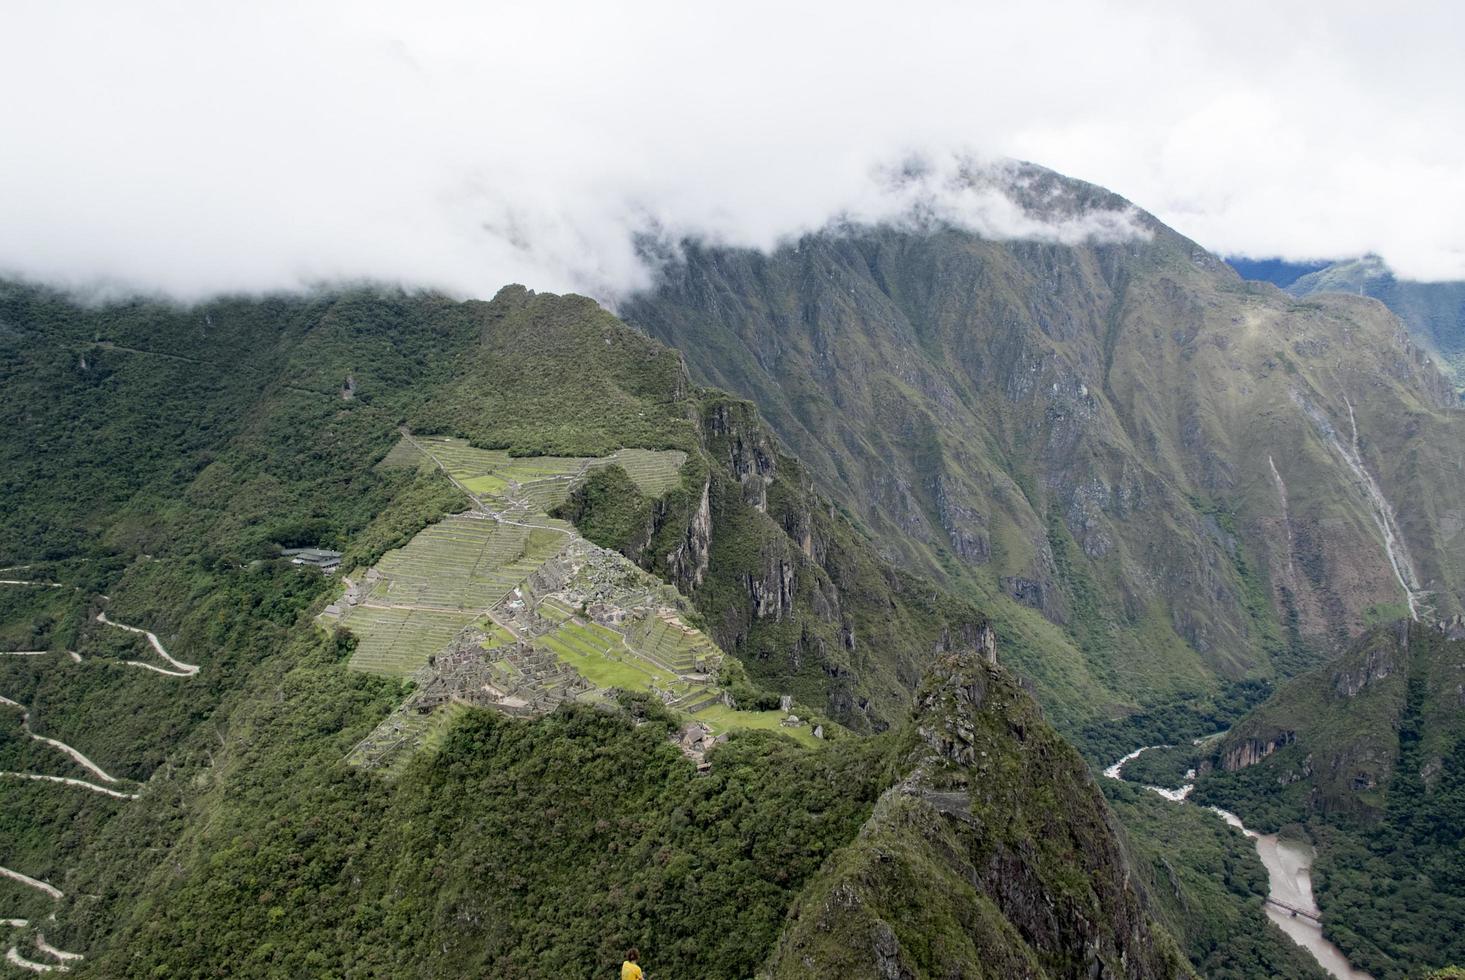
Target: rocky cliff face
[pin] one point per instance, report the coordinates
(991, 856)
(796, 591)
(686, 563)
(1250, 751)
(1175, 466)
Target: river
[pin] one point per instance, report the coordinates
(1289, 876)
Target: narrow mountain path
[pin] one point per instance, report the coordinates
(53, 952)
(160, 670)
(188, 670)
(108, 345)
(83, 761)
(63, 959)
(13, 957)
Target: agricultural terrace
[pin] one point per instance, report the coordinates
(398, 641)
(666, 640)
(600, 655)
(464, 562)
(537, 483)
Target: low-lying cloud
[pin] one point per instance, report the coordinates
(196, 148)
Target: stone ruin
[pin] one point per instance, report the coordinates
(695, 740)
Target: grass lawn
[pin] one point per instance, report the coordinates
(720, 718)
(608, 669)
(488, 484)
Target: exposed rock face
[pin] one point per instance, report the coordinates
(750, 453)
(1252, 751)
(1378, 663)
(772, 591)
(957, 872)
(783, 580)
(687, 562)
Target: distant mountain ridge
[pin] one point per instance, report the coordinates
(1433, 311)
(1279, 272)
(1163, 477)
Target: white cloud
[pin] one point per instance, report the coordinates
(196, 147)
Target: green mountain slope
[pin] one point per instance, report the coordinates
(1146, 469)
(158, 458)
(1366, 755)
(1434, 312)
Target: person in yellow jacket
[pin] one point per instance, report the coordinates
(629, 969)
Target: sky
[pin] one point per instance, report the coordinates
(193, 148)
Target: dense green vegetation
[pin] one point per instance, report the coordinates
(1164, 766)
(609, 510)
(518, 847)
(1173, 723)
(505, 846)
(1375, 777)
(1208, 885)
(993, 856)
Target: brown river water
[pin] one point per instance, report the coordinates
(1289, 873)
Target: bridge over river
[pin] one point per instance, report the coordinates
(1304, 913)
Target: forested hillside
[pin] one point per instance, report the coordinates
(1366, 756)
(196, 810)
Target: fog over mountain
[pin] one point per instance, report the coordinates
(193, 149)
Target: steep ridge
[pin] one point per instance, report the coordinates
(1095, 436)
(958, 873)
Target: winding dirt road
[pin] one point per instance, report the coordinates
(35, 883)
(185, 670)
(40, 777)
(83, 761)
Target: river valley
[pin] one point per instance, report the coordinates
(1290, 903)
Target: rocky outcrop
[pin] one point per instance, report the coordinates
(750, 455)
(1380, 662)
(772, 590)
(1341, 727)
(1251, 751)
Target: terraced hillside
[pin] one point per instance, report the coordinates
(505, 607)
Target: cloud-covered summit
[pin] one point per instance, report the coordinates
(205, 147)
